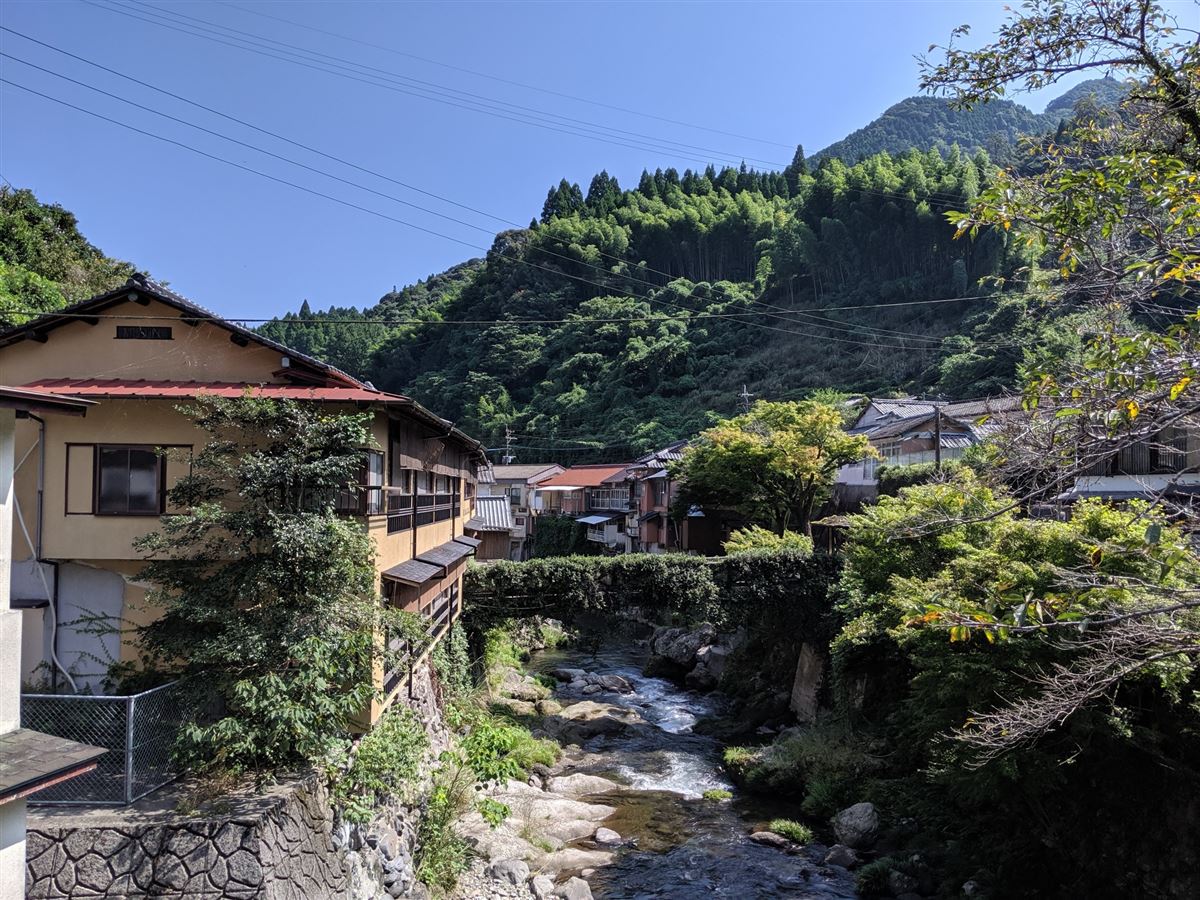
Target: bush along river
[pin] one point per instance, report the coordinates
(638, 805)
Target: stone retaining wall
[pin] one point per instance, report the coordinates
(276, 845)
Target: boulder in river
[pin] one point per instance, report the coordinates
(541, 887)
(569, 675)
(586, 719)
(710, 664)
(771, 839)
(579, 784)
(521, 687)
(606, 837)
(857, 826)
(841, 855)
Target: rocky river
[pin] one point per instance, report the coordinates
(624, 807)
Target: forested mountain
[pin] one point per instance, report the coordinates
(931, 122)
(45, 263)
(785, 282)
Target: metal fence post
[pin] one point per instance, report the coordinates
(129, 707)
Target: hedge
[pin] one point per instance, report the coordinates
(733, 591)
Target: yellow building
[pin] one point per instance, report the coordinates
(87, 487)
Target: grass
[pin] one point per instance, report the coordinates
(717, 794)
(792, 830)
(872, 879)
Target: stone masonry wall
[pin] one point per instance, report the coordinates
(281, 844)
(273, 847)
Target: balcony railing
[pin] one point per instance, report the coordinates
(608, 499)
(406, 510)
(441, 612)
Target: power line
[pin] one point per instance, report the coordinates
(531, 87)
(333, 65)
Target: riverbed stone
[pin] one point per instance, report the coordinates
(521, 708)
(574, 889)
(579, 784)
(541, 887)
(771, 839)
(841, 855)
(573, 859)
(568, 830)
(569, 675)
(548, 707)
(606, 837)
(857, 826)
(521, 687)
(514, 871)
(615, 683)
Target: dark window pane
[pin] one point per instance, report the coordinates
(114, 479)
(143, 481)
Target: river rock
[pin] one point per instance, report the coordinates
(579, 784)
(521, 687)
(541, 887)
(710, 664)
(841, 855)
(900, 883)
(592, 689)
(548, 707)
(614, 683)
(574, 889)
(586, 719)
(514, 871)
(572, 859)
(771, 839)
(521, 708)
(606, 837)
(569, 675)
(567, 830)
(857, 826)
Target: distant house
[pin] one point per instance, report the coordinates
(492, 525)
(1166, 466)
(519, 483)
(906, 431)
(597, 496)
(650, 526)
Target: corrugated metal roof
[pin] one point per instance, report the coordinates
(491, 514)
(38, 401)
(412, 572)
(595, 519)
(176, 390)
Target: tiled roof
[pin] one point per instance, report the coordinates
(30, 760)
(584, 476)
(491, 514)
(468, 541)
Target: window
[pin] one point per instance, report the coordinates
(143, 332)
(373, 482)
(129, 482)
(514, 495)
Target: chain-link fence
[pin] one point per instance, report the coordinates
(139, 732)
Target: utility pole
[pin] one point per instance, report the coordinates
(937, 435)
(508, 454)
(744, 399)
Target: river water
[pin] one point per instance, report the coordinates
(683, 846)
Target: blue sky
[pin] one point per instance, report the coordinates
(768, 75)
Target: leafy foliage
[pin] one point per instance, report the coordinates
(267, 595)
(45, 263)
(388, 757)
(792, 830)
(771, 464)
(754, 539)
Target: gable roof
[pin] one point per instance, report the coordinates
(522, 471)
(585, 476)
(324, 382)
(141, 286)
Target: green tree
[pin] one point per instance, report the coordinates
(268, 596)
(771, 464)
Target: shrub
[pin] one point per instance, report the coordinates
(872, 879)
(893, 478)
(497, 751)
(388, 757)
(452, 661)
(441, 854)
(792, 830)
(755, 539)
(717, 794)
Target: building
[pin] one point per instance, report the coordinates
(29, 760)
(98, 482)
(596, 496)
(519, 483)
(492, 525)
(1168, 466)
(907, 431)
(651, 523)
